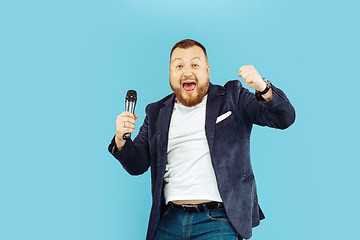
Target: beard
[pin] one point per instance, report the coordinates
(195, 98)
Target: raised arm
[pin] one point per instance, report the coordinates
(133, 155)
(272, 109)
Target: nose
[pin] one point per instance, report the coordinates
(188, 74)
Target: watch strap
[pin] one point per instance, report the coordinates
(259, 94)
(268, 86)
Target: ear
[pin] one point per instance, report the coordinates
(208, 70)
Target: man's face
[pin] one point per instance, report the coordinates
(189, 75)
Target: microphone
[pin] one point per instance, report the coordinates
(130, 102)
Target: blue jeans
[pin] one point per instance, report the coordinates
(176, 224)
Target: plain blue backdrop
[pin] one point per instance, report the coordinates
(65, 67)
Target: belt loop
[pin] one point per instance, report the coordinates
(197, 208)
(205, 206)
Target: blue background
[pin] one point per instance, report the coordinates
(65, 67)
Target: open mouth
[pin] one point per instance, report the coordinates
(189, 86)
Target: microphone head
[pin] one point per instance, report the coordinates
(131, 96)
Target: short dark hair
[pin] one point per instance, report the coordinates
(187, 43)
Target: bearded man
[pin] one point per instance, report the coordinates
(197, 143)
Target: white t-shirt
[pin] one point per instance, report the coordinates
(189, 173)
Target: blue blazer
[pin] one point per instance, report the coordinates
(229, 144)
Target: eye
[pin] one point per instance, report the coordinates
(179, 66)
(195, 65)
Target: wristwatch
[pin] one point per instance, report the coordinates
(259, 94)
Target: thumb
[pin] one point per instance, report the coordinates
(136, 116)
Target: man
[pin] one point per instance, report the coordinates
(196, 141)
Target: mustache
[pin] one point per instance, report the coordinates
(183, 79)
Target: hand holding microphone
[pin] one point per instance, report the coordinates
(125, 122)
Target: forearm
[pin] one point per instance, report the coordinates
(134, 159)
(119, 144)
(276, 112)
(268, 96)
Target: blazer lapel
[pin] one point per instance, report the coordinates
(162, 127)
(213, 104)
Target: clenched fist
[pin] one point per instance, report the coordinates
(252, 78)
(125, 123)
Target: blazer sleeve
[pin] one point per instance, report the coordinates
(276, 113)
(134, 156)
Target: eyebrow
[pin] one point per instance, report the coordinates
(181, 58)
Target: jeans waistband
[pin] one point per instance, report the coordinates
(198, 207)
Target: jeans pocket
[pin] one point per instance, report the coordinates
(218, 214)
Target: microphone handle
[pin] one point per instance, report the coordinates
(130, 107)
